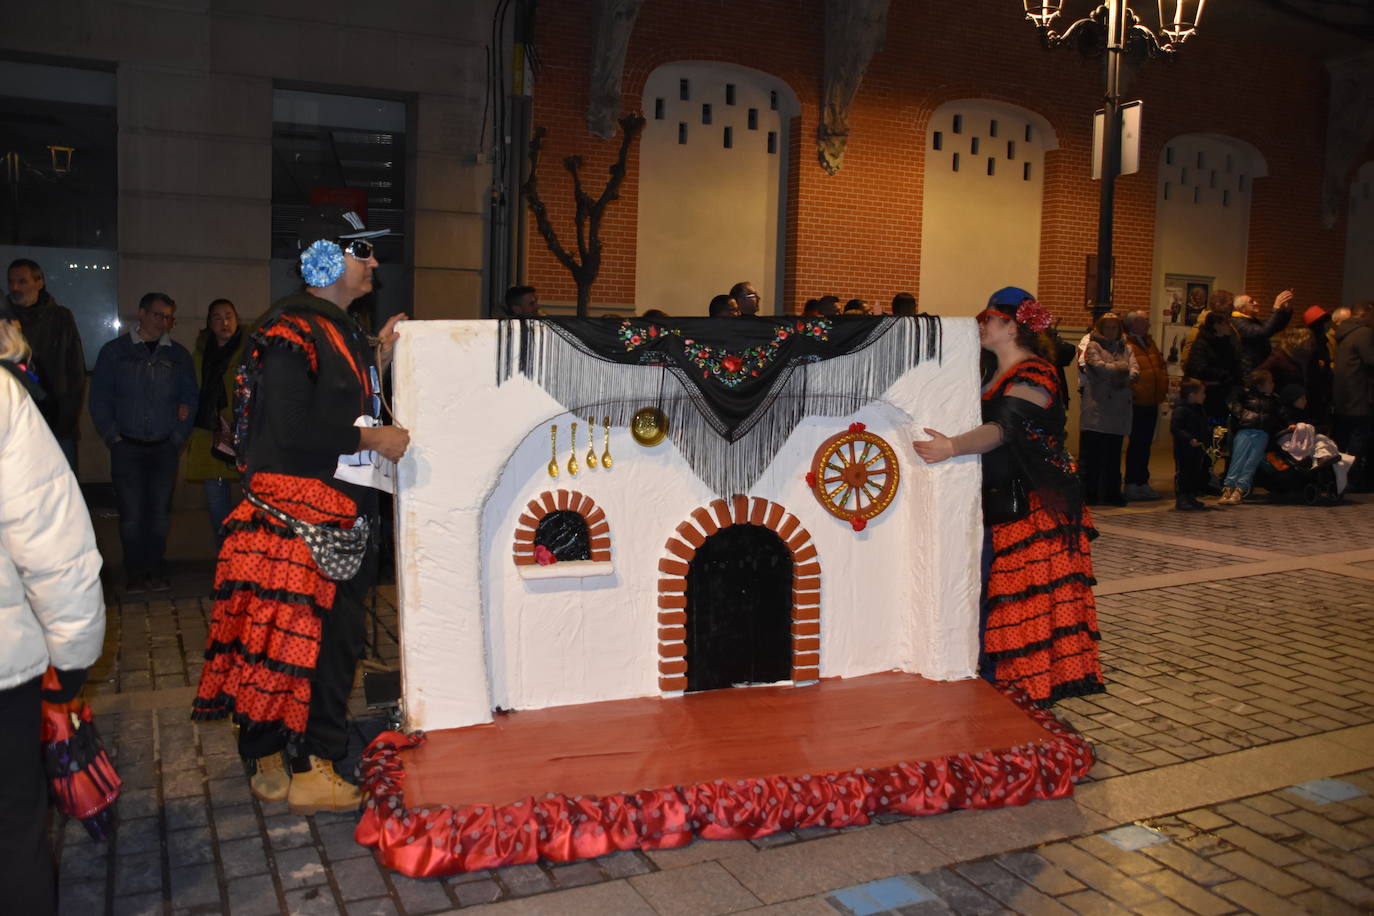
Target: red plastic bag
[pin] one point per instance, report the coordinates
(83, 779)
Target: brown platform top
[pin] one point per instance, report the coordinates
(655, 742)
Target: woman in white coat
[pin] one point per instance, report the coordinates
(51, 613)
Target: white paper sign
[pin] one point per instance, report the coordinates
(367, 468)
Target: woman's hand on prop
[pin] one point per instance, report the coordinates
(386, 340)
(935, 449)
(390, 442)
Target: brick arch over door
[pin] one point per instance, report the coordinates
(598, 529)
(672, 584)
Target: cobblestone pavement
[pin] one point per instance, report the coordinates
(1235, 772)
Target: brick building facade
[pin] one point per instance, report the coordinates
(1254, 75)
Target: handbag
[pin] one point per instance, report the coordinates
(84, 782)
(338, 552)
(1006, 501)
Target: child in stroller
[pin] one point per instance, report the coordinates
(1300, 462)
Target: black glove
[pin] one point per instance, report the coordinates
(71, 685)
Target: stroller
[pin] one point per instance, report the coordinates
(1305, 466)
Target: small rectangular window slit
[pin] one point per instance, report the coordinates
(773, 100)
(684, 90)
(992, 128)
(753, 119)
(681, 131)
(1025, 171)
(973, 146)
(937, 140)
(705, 112)
(729, 93)
(729, 138)
(992, 165)
(1011, 149)
(658, 109)
(958, 127)
(772, 141)
(956, 162)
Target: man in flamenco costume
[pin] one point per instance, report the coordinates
(287, 627)
(1039, 621)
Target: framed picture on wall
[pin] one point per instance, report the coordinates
(1187, 297)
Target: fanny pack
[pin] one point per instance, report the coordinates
(338, 552)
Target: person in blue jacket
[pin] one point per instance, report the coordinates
(143, 402)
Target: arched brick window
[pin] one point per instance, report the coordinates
(675, 565)
(570, 526)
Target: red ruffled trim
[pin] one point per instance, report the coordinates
(442, 840)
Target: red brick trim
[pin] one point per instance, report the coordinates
(551, 501)
(681, 547)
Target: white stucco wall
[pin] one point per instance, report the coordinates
(900, 595)
(1359, 240)
(1202, 216)
(709, 216)
(979, 225)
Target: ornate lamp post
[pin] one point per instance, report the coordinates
(1115, 27)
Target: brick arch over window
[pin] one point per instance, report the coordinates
(672, 584)
(598, 529)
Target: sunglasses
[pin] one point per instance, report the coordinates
(358, 248)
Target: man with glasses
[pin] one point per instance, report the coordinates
(143, 399)
(310, 416)
(746, 298)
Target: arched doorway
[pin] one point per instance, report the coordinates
(739, 609)
(983, 193)
(712, 185)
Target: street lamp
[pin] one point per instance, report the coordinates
(1116, 28)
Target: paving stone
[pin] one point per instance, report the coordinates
(426, 895)
(81, 899)
(181, 813)
(226, 792)
(1315, 901)
(339, 843)
(473, 893)
(288, 831)
(1309, 823)
(311, 901)
(625, 864)
(138, 905)
(190, 847)
(1091, 902)
(1354, 892)
(1035, 870)
(1261, 847)
(1196, 898)
(523, 880)
(299, 867)
(194, 885)
(1254, 899)
(138, 873)
(1192, 867)
(140, 835)
(576, 874)
(382, 906)
(255, 896)
(358, 879)
(243, 857)
(959, 894)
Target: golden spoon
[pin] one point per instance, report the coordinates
(591, 449)
(553, 450)
(572, 455)
(606, 455)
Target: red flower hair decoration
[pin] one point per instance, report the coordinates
(1033, 315)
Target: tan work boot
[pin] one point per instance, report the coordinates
(321, 789)
(270, 783)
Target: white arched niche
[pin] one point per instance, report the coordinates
(712, 184)
(980, 220)
(1202, 214)
(1359, 240)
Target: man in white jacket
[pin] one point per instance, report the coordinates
(51, 613)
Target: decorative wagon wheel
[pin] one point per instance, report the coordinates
(854, 475)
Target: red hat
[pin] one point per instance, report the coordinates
(1313, 314)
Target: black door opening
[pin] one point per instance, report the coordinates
(739, 610)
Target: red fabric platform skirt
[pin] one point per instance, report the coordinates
(269, 596)
(1041, 633)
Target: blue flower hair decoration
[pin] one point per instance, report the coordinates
(322, 264)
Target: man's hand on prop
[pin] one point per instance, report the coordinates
(386, 340)
(935, 449)
(390, 442)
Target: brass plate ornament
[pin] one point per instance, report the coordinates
(649, 426)
(854, 475)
